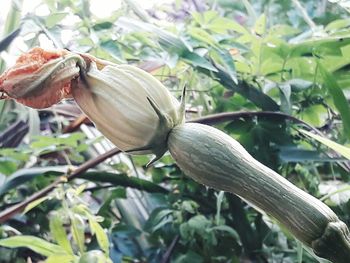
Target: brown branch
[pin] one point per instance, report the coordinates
(73, 126)
(169, 251)
(229, 116)
(10, 212)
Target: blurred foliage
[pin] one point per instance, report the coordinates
(233, 56)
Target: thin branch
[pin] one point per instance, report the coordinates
(169, 251)
(229, 116)
(10, 212)
(305, 15)
(73, 126)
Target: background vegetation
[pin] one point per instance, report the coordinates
(266, 72)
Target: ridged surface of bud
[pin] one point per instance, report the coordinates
(129, 106)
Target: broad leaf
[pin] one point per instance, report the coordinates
(36, 244)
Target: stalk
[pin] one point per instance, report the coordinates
(214, 159)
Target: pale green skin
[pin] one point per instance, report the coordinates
(214, 159)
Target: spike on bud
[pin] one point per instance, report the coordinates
(129, 106)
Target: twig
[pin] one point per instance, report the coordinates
(73, 126)
(167, 254)
(10, 212)
(229, 116)
(305, 15)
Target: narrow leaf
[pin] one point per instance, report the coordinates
(339, 98)
(4, 43)
(101, 235)
(224, 59)
(59, 234)
(59, 258)
(36, 244)
(77, 229)
(333, 145)
(54, 19)
(227, 229)
(35, 203)
(197, 61)
(260, 25)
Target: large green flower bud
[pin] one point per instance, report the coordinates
(129, 106)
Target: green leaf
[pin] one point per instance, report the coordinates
(197, 61)
(286, 92)
(59, 258)
(338, 24)
(101, 235)
(22, 176)
(166, 39)
(260, 25)
(190, 256)
(94, 256)
(224, 23)
(321, 46)
(339, 98)
(7, 166)
(55, 18)
(157, 219)
(227, 229)
(35, 203)
(59, 233)
(6, 41)
(12, 22)
(299, 84)
(248, 91)
(119, 192)
(344, 151)
(223, 58)
(36, 244)
(80, 189)
(203, 36)
(102, 25)
(112, 48)
(78, 231)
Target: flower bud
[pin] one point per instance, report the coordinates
(41, 78)
(129, 106)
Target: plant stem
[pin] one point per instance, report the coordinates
(18, 208)
(305, 15)
(214, 159)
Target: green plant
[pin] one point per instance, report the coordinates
(211, 46)
(73, 215)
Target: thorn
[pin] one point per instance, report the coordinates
(143, 148)
(154, 106)
(154, 159)
(156, 109)
(182, 108)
